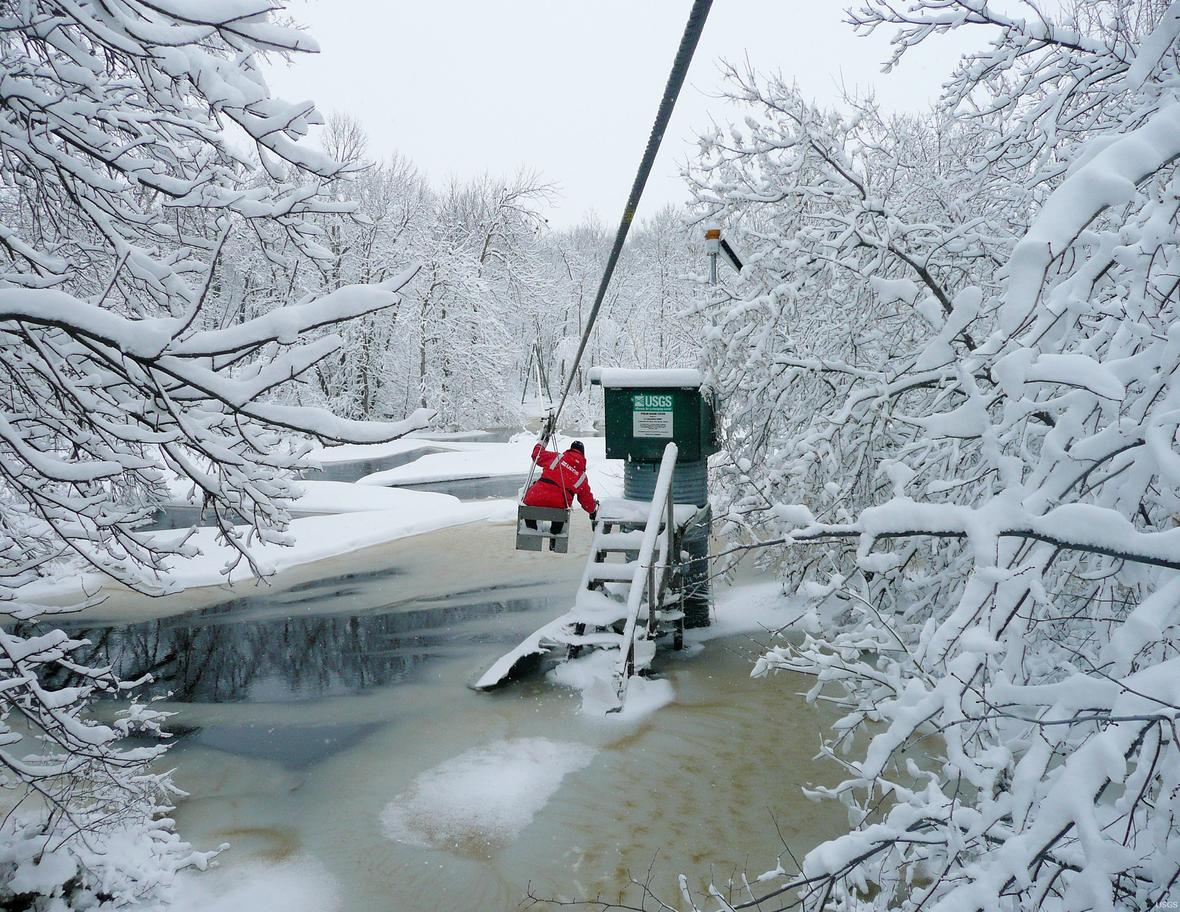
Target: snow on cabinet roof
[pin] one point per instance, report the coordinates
(615, 377)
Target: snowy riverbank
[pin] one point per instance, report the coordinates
(337, 518)
(468, 460)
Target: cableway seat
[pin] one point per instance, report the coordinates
(543, 518)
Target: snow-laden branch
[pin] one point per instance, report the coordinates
(1108, 179)
(152, 339)
(150, 327)
(973, 506)
(1075, 527)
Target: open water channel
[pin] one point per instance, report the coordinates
(325, 731)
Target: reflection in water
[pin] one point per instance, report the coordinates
(305, 714)
(294, 747)
(227, 653)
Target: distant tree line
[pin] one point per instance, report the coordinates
(496, 286)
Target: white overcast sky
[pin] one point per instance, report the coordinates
(570, 87)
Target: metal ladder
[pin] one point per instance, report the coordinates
(647, 577)
(620, 605)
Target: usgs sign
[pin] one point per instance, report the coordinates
(641, 420)
(651, 415)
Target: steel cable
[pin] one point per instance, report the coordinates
(688, 45)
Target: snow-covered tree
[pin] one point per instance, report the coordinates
(952, 367)
(842, 219)
(651, 314)
(387, 232)
(473, 326)
(462, 336)
(496, 284)
(119, 192)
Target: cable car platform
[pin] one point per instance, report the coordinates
(631, 592)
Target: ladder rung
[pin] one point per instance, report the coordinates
(618, 541)
(616, 511)
(596, 609)
(613, 573)
(627, 525)
(596, 599)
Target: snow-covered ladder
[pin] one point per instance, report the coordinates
(652, 572)
(648, 536)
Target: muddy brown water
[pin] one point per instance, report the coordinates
(324, 721)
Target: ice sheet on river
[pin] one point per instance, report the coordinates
(485, 796)
(490, 460)
(299, 884)
(312, 538)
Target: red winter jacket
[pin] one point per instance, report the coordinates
(563, 475)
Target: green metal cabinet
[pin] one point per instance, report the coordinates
(645, 409)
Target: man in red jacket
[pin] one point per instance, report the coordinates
(563, 477)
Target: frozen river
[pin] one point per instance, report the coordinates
(326, 732)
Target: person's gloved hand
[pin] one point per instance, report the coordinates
(594, 517)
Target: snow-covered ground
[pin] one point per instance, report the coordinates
(348, 516)
(482, 460)
(343, 497)
(751, 607)
(593, 674)
(360, 452)
(321, 537)
(744, 609)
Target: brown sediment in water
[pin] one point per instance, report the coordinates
(703, 787)
(277, 843)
